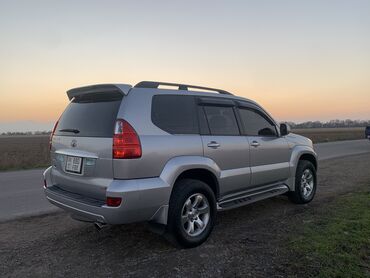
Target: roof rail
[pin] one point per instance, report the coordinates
(155, 84)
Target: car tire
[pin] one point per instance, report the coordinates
(305, 183)
(192, 213)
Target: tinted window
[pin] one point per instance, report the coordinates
(175, 114)
(92, 115)
(255, 124)
(221, 120)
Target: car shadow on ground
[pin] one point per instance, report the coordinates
(119, 240)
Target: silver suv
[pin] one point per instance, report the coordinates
(173, 155)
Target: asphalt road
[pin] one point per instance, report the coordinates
(22, 195)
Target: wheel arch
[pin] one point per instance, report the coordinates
(182, 167)
(203, 175)
(309, 157)
(300, 153)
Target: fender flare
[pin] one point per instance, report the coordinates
(173, 169)
(177, 165)
(297, 153)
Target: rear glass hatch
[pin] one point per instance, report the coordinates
(82, 143)
(90, 115)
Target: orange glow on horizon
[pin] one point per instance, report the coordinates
(45, 104)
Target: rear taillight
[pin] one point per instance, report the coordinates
(113, 201)
(126, 143)
(52, 134)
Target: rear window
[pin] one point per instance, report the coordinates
(175, 114)
(91, 115)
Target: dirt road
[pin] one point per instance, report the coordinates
(248, 241)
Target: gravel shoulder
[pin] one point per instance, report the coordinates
(249, 241)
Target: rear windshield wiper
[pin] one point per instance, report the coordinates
(69, 130)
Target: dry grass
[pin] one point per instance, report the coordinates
(318, 135)
(22, 152)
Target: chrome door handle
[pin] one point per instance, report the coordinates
(255, 144)
(213, 145)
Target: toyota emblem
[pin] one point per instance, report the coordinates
(73, 143)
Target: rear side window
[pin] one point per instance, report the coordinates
(221, 120)
(91, 115)
(255, 124)
(175, 114)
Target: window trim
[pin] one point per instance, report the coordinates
(212, 101)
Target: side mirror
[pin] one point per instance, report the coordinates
(284, 129)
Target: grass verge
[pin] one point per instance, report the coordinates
(335, 243)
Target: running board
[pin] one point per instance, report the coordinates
(251, 196)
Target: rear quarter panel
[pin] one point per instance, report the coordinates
(158, 146)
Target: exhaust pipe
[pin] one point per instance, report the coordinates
(99, 225)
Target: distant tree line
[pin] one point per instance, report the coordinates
(331, 124)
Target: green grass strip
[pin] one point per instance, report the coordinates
(335, 242)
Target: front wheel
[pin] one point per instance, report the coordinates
(305, 183)
(192, 213)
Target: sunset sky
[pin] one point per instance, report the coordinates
(301, 60)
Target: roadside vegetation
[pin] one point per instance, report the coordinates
(334, 241)
(331, 124)
(24, 152)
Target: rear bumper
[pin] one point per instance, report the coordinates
(142, 200)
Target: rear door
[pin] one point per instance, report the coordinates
(223, 143)
(82, 144)
(269, 153)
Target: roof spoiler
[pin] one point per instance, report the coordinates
(121, 88)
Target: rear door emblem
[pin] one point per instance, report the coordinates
(73, 143)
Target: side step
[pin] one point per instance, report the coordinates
(250, 196)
